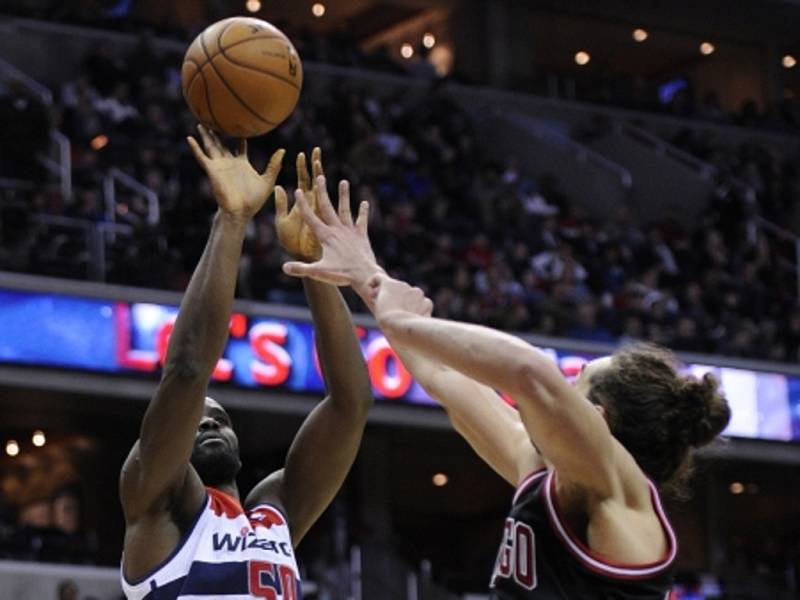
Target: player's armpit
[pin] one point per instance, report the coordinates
(326, 445)
(569, 431)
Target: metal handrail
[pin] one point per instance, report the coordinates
(583, 153)
(38, 89)
(95, 235)
(664, 148)
(110, 181)
(62, 167)
(787, 235)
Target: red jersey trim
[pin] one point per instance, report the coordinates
(526, 483)
(597, 563)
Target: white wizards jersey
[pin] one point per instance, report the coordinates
(227, 553)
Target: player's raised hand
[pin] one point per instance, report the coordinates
(294, 234)
(347, 257)
(238, 188)
(390, 295)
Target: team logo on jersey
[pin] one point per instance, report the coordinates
(265, 517)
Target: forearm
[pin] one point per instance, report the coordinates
(491, 357)
(201, 328)
(339, 350)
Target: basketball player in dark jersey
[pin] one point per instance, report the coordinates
(588, 460)
(182, 471)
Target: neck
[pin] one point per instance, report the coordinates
(228, 488)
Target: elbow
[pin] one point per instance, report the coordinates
(184, 368)
(530, 373)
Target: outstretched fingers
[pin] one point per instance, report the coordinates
(270, 174)
(281, 202)
(315, 271)
(303, 178)
(344, 203)
(324, 205)
(362, 221)
(316, 162)
(199, 155)
(211, 143)
(317, 225)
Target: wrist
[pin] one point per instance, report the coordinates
(233, 221)
(391, 320)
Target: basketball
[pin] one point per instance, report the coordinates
(241, 77)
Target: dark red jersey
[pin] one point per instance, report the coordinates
(541, 559)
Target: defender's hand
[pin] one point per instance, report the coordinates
(347, 257)
(239, 189)
(294, 234)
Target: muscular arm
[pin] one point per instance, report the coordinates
(158, 465)
(160, 459)
(565, 427)
(491, 427)
(326, 445)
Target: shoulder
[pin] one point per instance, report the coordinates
(269, 491)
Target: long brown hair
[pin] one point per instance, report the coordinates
(659, 415)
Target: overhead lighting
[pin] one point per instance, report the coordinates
(253, 5)
(736, 488)
(707, 48)
(38, 438)
(789, 61)
(12, 448)
(429, 40)
(440, 480)
(640, 35)
(582, 57)
(406, 50)
(99, 142)
(318, 10)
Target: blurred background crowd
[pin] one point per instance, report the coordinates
(493, 237)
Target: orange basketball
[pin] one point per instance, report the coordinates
(241, 77)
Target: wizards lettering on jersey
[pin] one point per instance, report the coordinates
(517, 556)
(231, 543)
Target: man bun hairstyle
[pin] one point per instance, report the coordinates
(659, 415)
(708, 408)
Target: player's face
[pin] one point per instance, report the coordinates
(215, 455)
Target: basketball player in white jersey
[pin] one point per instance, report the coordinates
(189, 533)
(589, 461)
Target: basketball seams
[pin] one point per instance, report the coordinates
(278, 77)
(233, 45)
(208, 101)
(227, 85)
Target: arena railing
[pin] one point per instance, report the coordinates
(115, 177)
(788, 236)
(95, 236)
(61, 164)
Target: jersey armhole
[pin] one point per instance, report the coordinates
(181, 543)
(593, 561)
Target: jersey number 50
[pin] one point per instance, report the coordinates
(271, 582)
(517, 556)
